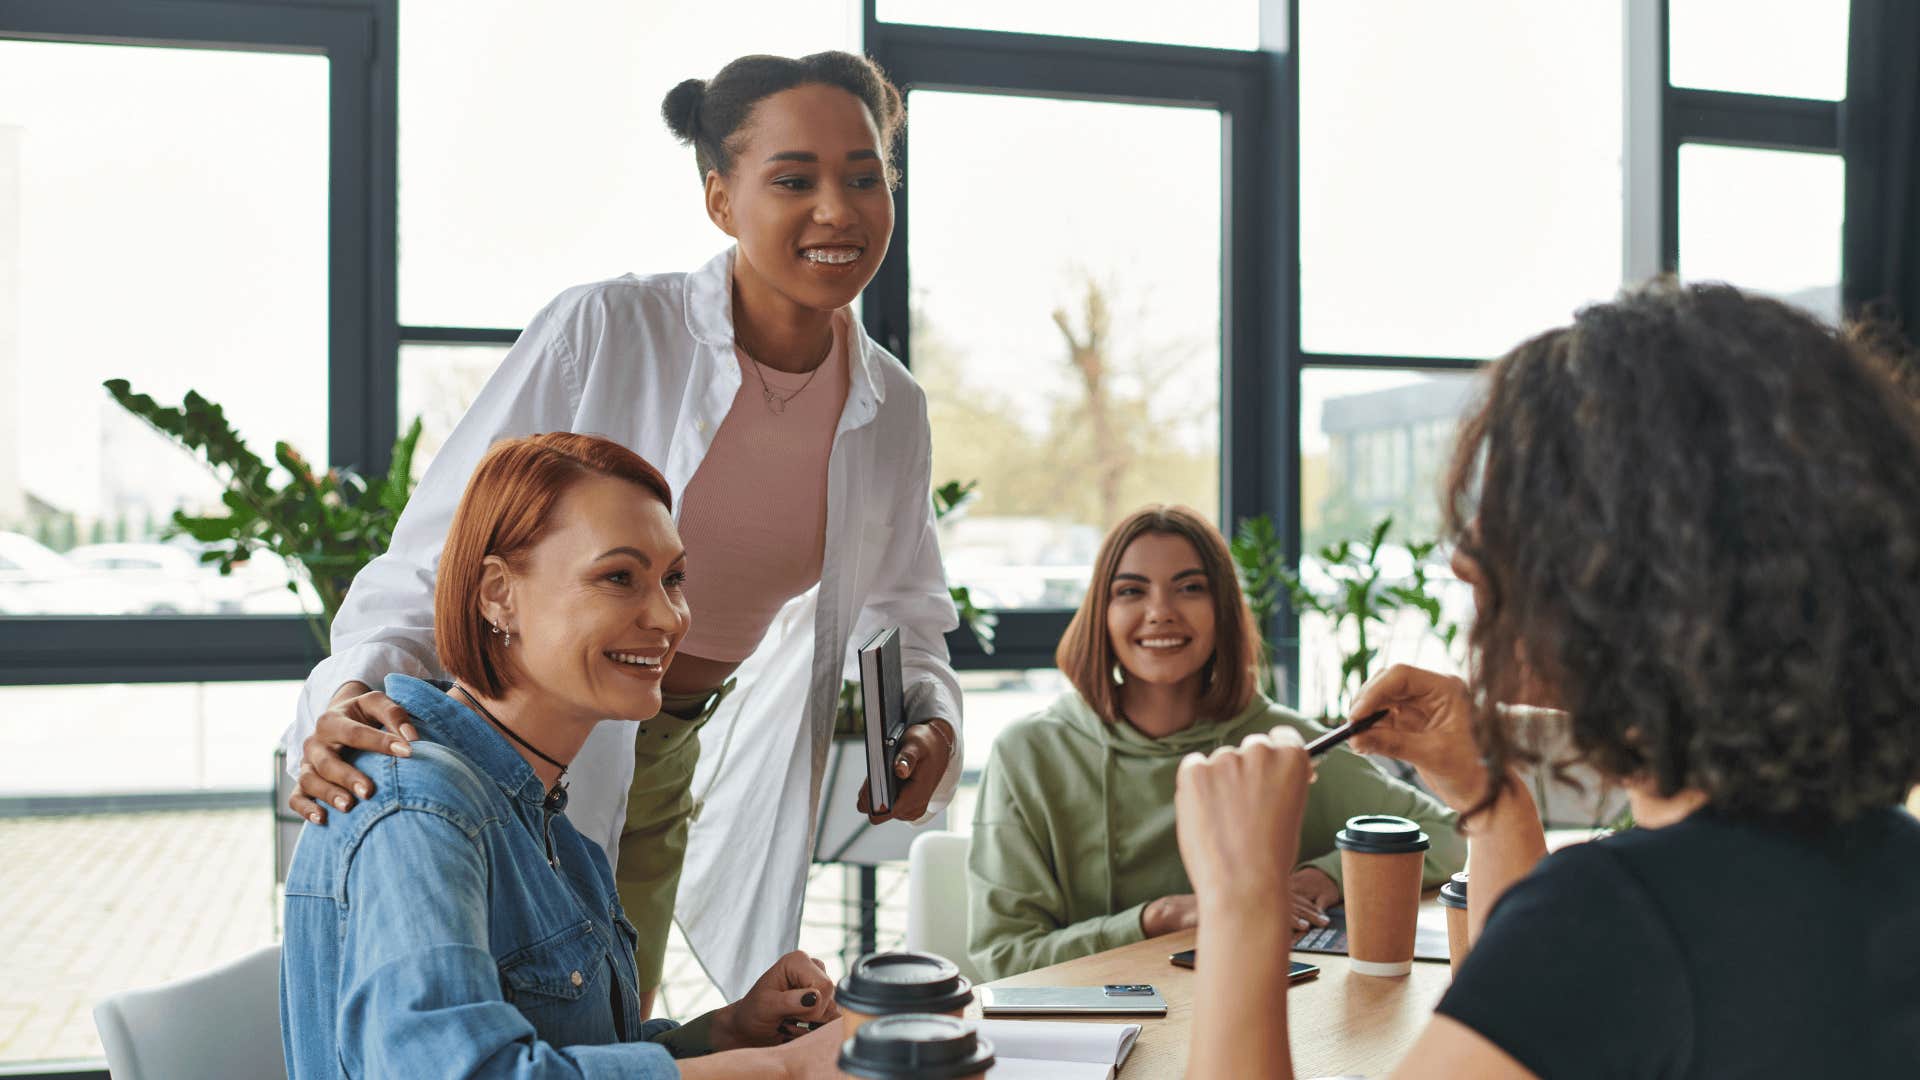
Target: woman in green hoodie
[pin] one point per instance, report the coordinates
(1073, 839)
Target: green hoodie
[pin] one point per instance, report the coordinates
(1073, 831)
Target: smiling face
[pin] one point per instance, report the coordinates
(595, 608)
(1160, 610)
(807, 199)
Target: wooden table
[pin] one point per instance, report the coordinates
(1340, 1023)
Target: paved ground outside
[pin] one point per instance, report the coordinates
(99, 903)
(93, 904)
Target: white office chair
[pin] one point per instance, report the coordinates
(937, 897)
(224, 1022)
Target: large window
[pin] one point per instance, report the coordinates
(1781, 48)
(533, 157)
(190, 208)
(159, 228)
(532, 152)
(1460, 180)
(1768, 220)
(1078, 334)
(1460, 187)
(1755, 187)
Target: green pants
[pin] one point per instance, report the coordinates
(653, 844)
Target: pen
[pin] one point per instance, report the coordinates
(1344, 732)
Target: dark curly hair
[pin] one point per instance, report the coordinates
(1697, 513)
(707, 113)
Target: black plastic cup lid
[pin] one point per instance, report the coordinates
(917, 1045)
(903, 982)
(1381, 834)
(1454, 892)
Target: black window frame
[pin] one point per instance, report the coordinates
(359, 40)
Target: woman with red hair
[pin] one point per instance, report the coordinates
(457, 924)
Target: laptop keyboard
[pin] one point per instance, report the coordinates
(1323, 939)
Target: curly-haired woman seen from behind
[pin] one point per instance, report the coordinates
(1692, 524)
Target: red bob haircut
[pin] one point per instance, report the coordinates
(508, 506)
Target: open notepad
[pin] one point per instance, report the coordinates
(1057, 1050)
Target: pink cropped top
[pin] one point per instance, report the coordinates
(754, 515)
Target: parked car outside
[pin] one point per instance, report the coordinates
(36, 580)
(157, 579)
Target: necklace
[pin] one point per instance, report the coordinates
(556, 800)
(777, 403)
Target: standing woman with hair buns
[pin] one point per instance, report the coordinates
(799, 453)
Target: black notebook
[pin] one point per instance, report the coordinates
(884, 713)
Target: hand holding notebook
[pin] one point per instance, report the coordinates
(884, 713)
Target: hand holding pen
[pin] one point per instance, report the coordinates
(1425, 719)
(1344, 732)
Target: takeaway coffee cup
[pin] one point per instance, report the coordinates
(1453, 897)
(1380, 859)
(920, 1046)
(889, 983)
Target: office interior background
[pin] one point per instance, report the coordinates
(1287, 232)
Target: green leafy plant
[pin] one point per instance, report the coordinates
(1262, 560)
(951, 498)
(1357, 599)
(324, 525)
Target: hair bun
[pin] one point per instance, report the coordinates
(681, 109)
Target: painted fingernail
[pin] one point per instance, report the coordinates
(360, 790)
(340, 801)
(409, 731)
(809, 999)
(315, 818)
(401, 749)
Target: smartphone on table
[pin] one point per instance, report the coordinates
(1296, 971)
(1113, 999)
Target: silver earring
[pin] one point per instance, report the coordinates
(507, 635)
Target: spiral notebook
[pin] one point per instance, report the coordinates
(1056, 1049)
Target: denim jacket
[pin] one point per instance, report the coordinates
(452, 926)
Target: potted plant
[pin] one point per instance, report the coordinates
(324, 526)
(1350, 588)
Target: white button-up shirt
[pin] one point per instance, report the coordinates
(649, 362)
